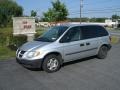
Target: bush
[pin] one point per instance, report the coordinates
(2, 39)
(13, 42)
(17, 40)
(37, 35)
(8, 40)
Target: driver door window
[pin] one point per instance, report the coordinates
(72, 35)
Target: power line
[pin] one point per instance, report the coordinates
(105, 9)
(95, 3)
(100, 12)
(99, 2)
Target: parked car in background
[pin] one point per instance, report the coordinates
(62, 44)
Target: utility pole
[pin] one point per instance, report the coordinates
(81, 6)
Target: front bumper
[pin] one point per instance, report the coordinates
(30, 64)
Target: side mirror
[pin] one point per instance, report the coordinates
(65, 40)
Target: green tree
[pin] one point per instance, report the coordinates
(97, 19)
(114, 17)
(57, 13)
(33, 13)
(8, 9)
(84, 19)
(49, 15)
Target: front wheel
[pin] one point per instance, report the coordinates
(102, 54)
(51, 63)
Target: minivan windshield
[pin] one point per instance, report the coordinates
(52, 34)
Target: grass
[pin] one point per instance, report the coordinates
(6, 30)
(6, 53)
(115, 39)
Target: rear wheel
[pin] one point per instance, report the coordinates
(102, 52)
(51, 63)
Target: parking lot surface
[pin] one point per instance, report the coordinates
(85, 74)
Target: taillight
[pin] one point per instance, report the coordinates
(110, 38)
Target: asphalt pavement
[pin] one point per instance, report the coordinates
(85, 74)
(114, 32)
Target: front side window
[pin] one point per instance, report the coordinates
(73, 34)
(53, 34)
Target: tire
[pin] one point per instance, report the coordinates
(51, 63)
(102, 54)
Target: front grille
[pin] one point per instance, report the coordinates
(20, 53)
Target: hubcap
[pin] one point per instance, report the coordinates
(52, 64)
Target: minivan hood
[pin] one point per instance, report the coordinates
(33, 45)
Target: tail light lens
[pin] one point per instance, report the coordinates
(110, 38)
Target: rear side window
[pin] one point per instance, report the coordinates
(101, 31)
(88, 32)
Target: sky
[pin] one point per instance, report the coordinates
(91, 8)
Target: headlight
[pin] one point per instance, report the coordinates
(16, 51)
(32, 54)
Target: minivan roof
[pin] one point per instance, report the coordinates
(72, 25)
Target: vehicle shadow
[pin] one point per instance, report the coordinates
(78, 61)
(34, 69)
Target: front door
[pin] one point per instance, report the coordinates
(72, 44)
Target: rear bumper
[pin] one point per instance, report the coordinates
(30, 64)
(109, 46)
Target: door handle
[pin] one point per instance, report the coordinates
(82, 44)
(87, 43)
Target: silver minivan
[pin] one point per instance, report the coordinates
(62, 44)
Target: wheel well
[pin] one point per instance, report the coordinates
(57, 54)
(106, 46)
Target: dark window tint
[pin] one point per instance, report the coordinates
(88, 32)
(101, 31)
(72, 35)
